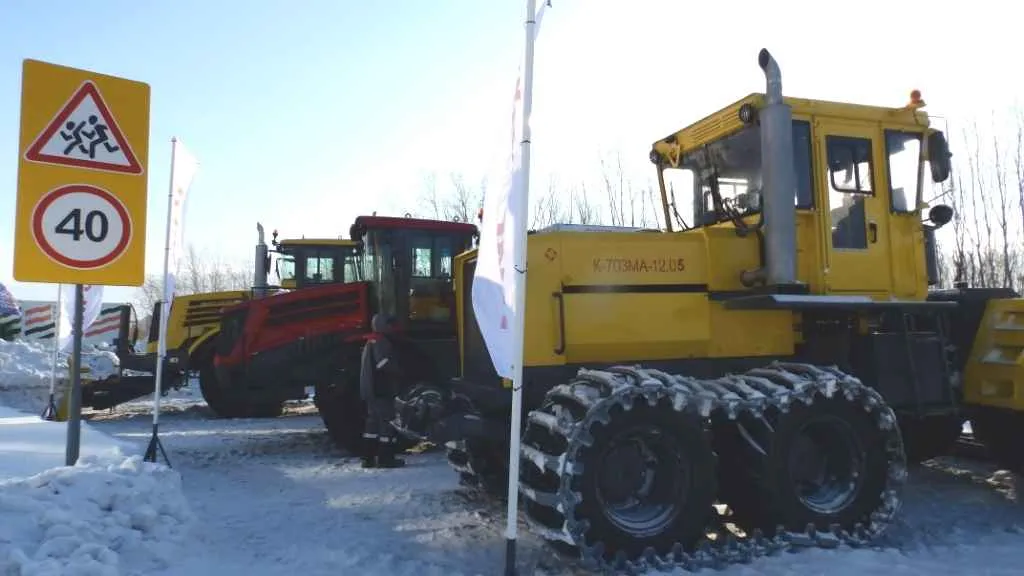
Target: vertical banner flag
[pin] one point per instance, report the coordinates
(494, 281)
(92, 303)
(183, 169)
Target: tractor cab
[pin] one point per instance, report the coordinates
(408, 263)
(846, 218)
(315, 261)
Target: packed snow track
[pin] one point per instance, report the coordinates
(273, 497)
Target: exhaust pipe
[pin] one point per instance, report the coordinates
(259, 282)
(778, 194)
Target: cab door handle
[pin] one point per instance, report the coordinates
(873, 232)
(560, 349)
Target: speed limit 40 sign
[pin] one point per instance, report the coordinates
(84, 150)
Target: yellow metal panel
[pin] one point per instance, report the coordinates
(629, 258)
(193, 315)
(636, 326)
(82, 174)
(737, 334)
(995, 371)
(643, 296)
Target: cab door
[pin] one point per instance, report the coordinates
(856, 220)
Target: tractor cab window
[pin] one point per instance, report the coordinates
(903, 154)
(721, 181)
(430, 285)
(850, 173)
(319, 269)
(310, 265)
(285, 267)
(410, 272)
(379, 267)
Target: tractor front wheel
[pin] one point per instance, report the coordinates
(228, 403)
(343, 412)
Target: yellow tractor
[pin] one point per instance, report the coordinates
(772, 359)
(194, 320)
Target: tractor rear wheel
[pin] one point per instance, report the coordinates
(820, 464)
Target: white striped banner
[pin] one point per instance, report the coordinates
(38, 323)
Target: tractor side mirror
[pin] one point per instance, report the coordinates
(939, 156)
(940, 215)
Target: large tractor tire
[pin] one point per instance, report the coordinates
(230, 404)
(619, 464)
(1000, 432)
(480, 464)
(343, 413)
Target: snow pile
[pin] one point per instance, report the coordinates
(109, 514)
(25, 371)
(98, 517)
(30, 445)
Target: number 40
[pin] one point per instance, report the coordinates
(96, 225)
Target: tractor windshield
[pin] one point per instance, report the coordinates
(721, 180)
(285, 266)
(313, 264)
(410, 271)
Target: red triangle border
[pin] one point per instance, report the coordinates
(88, 88)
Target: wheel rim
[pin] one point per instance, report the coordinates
(826, 465)
(642, 481)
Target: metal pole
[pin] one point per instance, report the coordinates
(50, 413)
(154, 441)
(523, 204)
(75, 408)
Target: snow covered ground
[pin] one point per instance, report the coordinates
(274, 498)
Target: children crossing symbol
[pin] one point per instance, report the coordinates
(85, 134)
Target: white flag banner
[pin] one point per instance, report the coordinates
(183, 169)
(93, 304)
(494, 294)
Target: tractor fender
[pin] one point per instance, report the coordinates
(200, 344)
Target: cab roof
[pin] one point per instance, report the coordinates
(316, 242)
(726, 120)
(364, 223)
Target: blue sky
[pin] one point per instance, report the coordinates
(305, 114)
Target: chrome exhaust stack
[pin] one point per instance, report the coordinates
(779, 181)
(259, 281)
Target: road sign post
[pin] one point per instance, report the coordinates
(81, 208)
(75, 404)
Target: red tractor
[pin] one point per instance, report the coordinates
(274, 348)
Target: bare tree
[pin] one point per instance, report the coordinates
(460, 203)
(581, 209)
(198, 274)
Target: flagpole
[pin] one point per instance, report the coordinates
(519, 316)
(154, 441)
